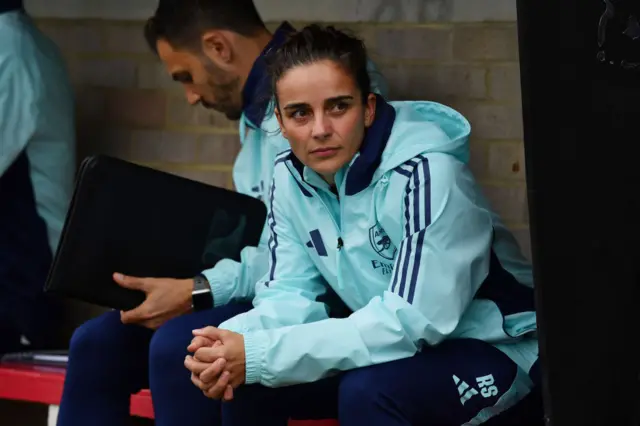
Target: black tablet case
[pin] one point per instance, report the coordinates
(144, 222)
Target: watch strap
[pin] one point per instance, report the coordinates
(202, 297)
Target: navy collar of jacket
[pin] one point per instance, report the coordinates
(10, 5)
(375, 141)
(256, 94)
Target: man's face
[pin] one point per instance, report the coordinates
(203, 81)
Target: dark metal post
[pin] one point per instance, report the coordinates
(580, 69)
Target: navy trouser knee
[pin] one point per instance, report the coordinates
(107, 363)
(176, 400)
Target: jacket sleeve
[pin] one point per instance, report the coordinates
(231, 280)
(18, 109)
(289, 293)
(441, 263)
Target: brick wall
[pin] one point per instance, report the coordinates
(460, 52)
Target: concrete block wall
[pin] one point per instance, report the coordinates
(463, 53)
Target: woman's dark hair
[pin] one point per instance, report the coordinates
(316, 43)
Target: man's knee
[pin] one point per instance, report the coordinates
(168, 346)
(97, 336)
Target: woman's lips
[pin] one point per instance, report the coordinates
(324, 152)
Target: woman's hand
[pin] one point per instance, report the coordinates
(219, 368)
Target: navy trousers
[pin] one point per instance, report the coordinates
(109, 361)
(456, 383)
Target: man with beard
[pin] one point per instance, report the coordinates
(217, 50)
(37, 163)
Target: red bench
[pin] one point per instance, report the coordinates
(40, 384)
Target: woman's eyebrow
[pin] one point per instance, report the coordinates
(331, 100)
(340, 98)
(296, 105)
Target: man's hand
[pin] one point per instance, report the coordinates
(219, 368)
(166, 298)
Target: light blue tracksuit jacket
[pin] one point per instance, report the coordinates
(252, 173)
(37, 166)
(410, 245)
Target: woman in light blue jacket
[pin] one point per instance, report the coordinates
(374, 203)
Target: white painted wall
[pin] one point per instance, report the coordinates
(413, 11)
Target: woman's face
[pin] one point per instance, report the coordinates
(322, 115)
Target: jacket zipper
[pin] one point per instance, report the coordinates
(340, 242)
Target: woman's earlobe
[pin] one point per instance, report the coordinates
(369, 117)
(370, 112)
